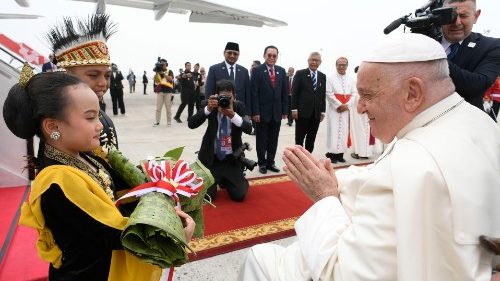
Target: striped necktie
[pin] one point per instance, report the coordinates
(314, 80)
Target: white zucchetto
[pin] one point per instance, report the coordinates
(406, 47)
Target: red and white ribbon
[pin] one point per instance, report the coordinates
(170, 181)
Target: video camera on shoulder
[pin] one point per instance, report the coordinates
(428, 19)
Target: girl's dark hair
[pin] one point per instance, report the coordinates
(44, 97)
(224, 85)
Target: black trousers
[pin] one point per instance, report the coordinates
(117, 100)
(306, 128)
(145, 85)
(266, 137)
(229, 175)
(187, 98)
(290, 118)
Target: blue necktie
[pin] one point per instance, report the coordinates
(222, 134)
(453, 50)
(314, 80)
(231, 73)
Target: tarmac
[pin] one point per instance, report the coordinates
(138, 139)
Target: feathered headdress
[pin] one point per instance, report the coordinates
(82, 41)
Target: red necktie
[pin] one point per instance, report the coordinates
(273, 77)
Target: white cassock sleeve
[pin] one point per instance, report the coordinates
(318, 232)
(330, 93)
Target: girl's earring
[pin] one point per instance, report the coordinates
(55, 135)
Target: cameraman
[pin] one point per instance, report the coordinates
(222, 138)
(474, 59)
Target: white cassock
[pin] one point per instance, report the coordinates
(339, 89)
(415, 214)
(360, 130)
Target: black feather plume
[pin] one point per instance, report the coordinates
(65, 35)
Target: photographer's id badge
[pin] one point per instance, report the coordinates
(225, 144)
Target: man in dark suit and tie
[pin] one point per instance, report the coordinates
(474, 59)
(49, 66)
(269, 105)
(308, 101)
(222, 138)
(290, 73)
(229, 69)
(116, 90)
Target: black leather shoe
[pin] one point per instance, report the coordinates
(355, 156)
(341, 160)
(178, 120)
(331, 157)
(273, 168)
(263, 170)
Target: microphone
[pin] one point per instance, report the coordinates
(395, 24)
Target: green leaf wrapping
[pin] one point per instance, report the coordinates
(132, 175)
(155, 233)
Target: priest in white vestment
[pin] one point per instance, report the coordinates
(417, 212)
(361, 139)
(340, 88)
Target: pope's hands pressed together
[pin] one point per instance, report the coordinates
(315, 177)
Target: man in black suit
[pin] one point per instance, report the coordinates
(290, 73)
(269, 106)
(116, 90)
(308, 101)
(221, 139)
(187, 92)
(229, 69)
(49, 66)
(474, 59)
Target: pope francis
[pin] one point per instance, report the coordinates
(418, 211)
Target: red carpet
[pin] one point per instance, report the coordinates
(19, 260)
(269, 212)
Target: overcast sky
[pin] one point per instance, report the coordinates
(334, 28)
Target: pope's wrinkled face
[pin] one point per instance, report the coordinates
(380, 99)
(462, 27)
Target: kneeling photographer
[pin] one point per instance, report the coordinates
(221, 147)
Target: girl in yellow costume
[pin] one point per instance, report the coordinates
(71, 201)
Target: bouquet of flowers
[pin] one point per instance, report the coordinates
(154, 231)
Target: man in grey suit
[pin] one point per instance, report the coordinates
(269, 105)
(228, 69)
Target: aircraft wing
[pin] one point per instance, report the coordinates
(18, 16)
(201, 11)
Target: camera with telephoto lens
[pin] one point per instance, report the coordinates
(239, 155)
(223, 101)
(428, 20)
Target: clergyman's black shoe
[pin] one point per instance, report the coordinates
(263, 170)
(331, 156)
(273, 168)
(178, 120)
